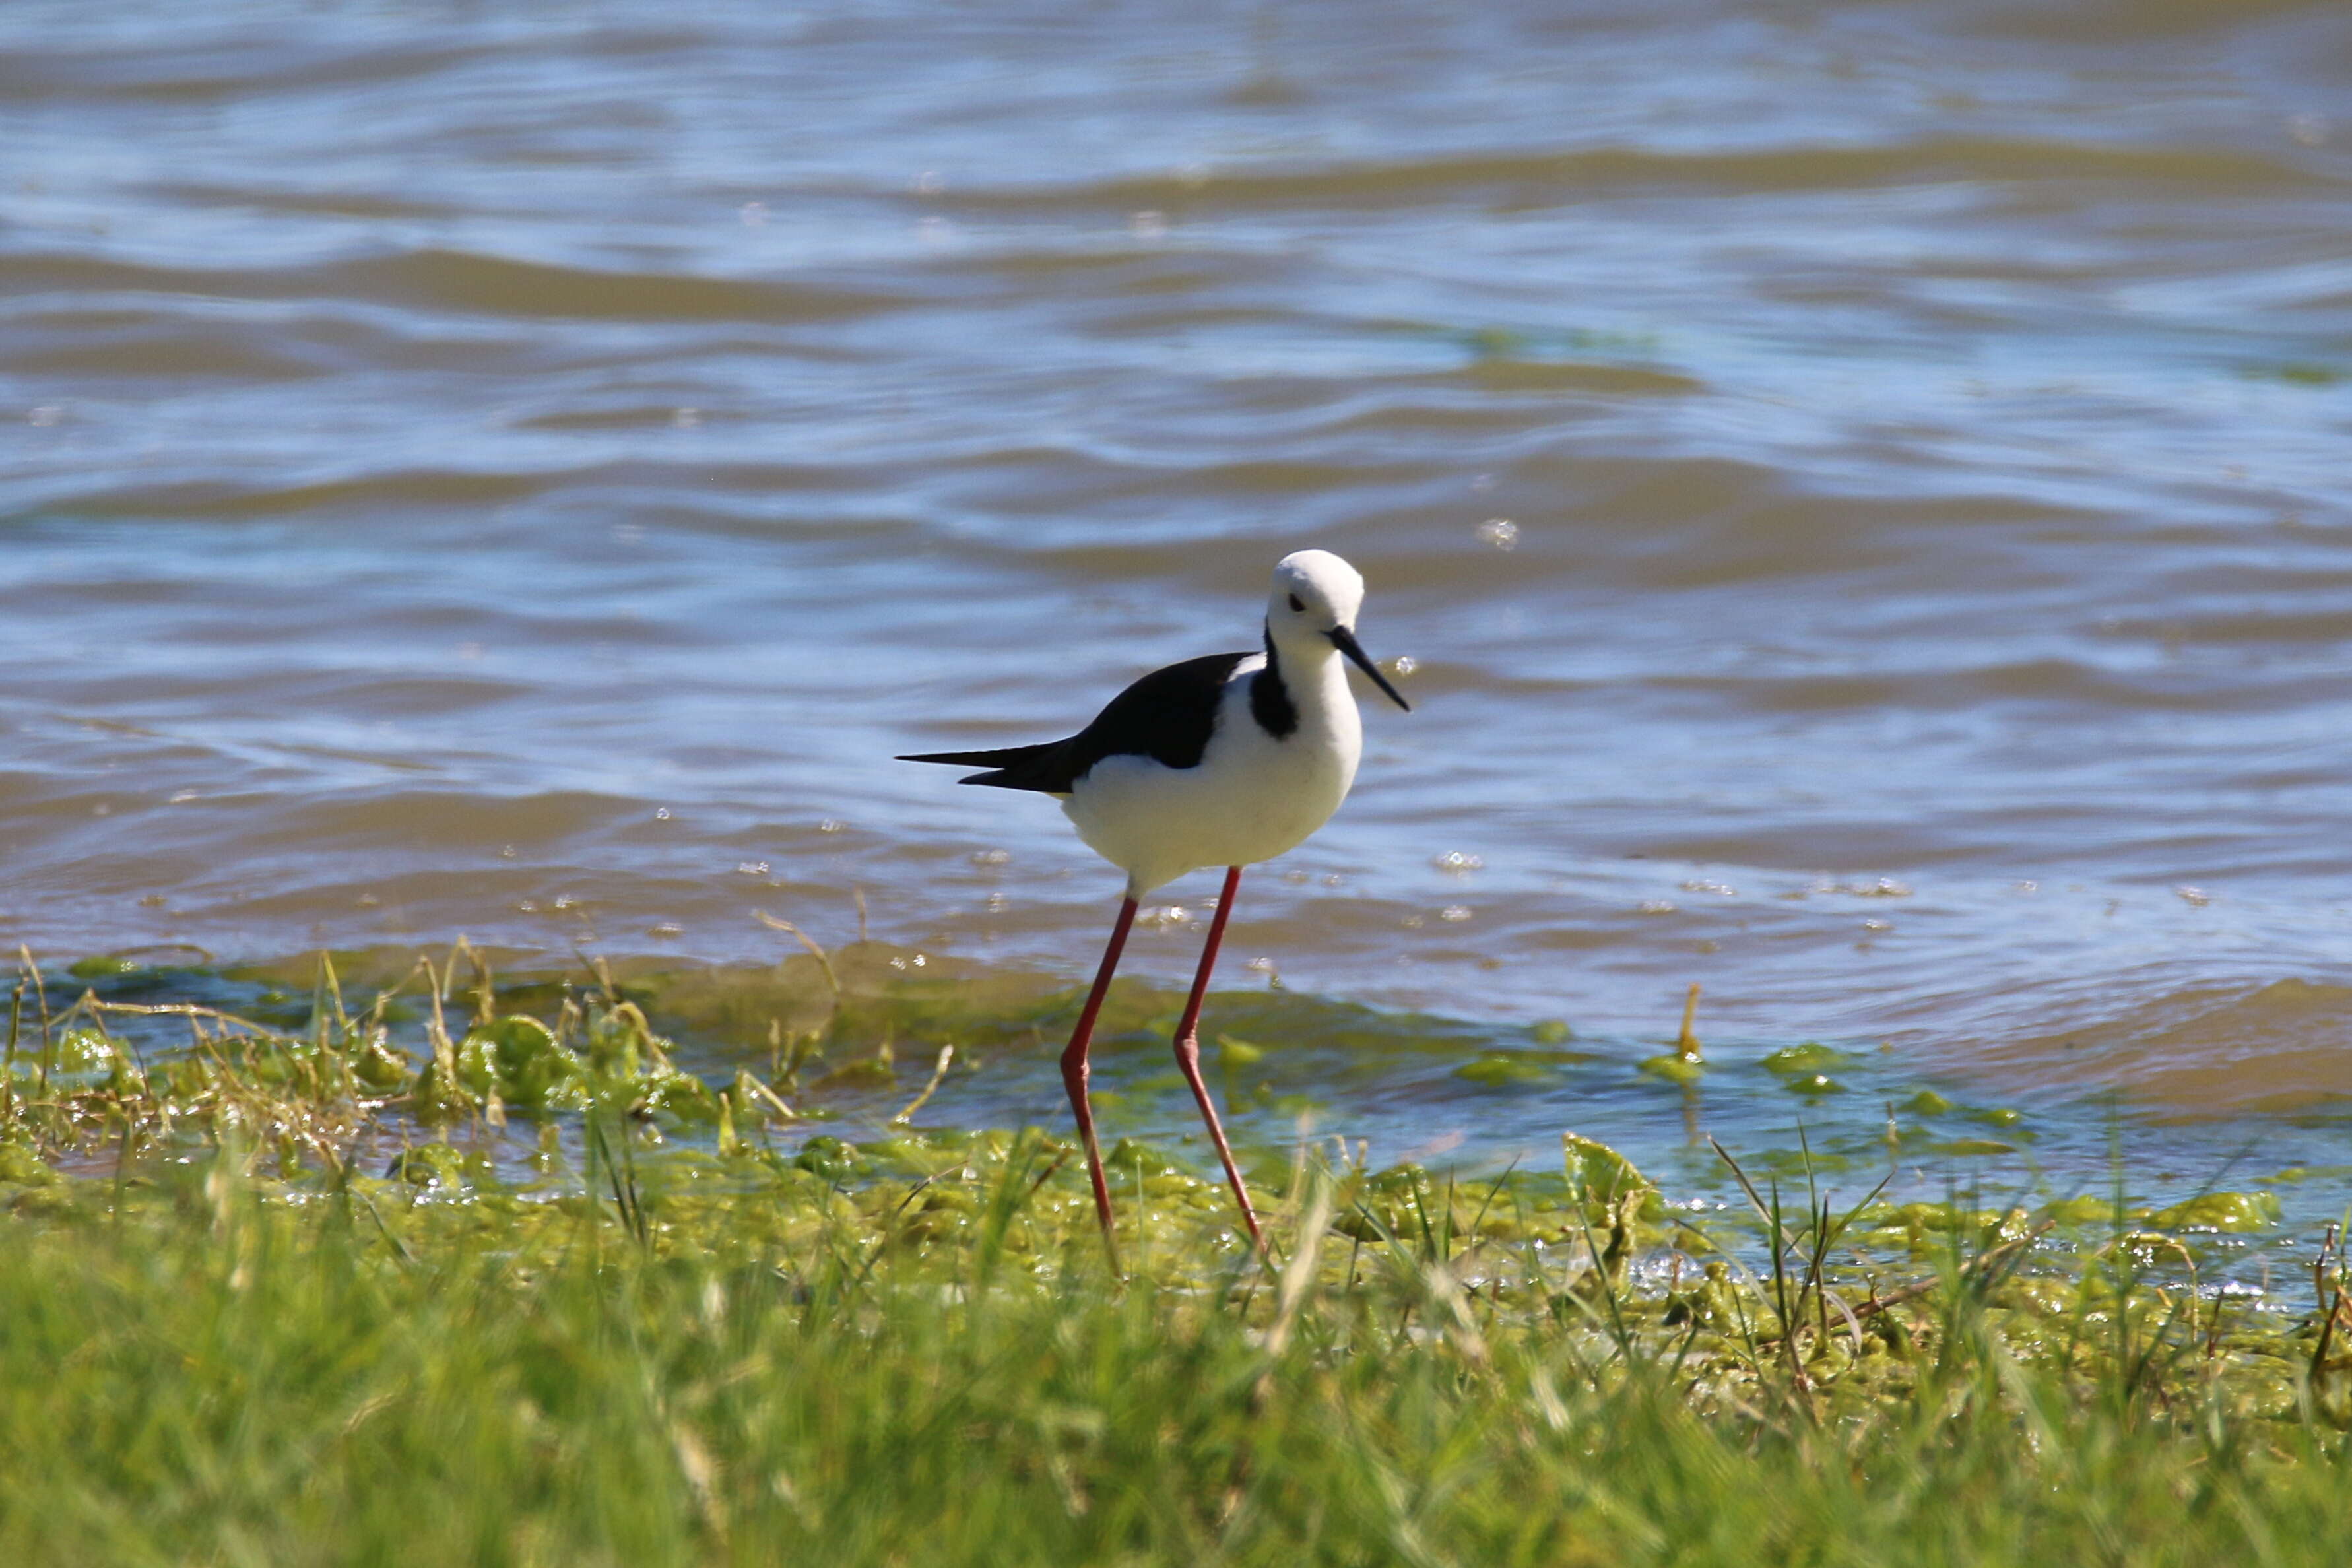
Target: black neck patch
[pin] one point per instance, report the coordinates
(1270, 702)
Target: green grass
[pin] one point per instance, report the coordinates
(231, 1333)
(211, 1368)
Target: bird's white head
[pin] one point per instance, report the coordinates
(1314, 590)
(1313, 608)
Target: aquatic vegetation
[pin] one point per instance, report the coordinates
(1685, 1065)
(1499, 1069)
(526, 1289)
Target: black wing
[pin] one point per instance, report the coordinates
(1167, 716)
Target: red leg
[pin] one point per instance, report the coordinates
(1188, 1051)
(1074, 1073)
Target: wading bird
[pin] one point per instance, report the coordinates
(1222, 761)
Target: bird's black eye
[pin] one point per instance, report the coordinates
(1297, 605)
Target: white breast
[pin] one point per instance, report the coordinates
(1252, 797)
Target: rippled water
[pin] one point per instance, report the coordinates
(1860, 487)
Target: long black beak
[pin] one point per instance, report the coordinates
(1345, 641)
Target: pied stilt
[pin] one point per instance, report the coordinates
(1222, 761)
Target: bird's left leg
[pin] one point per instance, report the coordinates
(1076, 1070)
(1188, 1052)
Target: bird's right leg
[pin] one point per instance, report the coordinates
(1188, 1056)
(1076, 1072)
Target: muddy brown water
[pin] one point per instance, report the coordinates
(1860, 488)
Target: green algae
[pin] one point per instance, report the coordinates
(1599, 1174)
(440, 1165)
(1675, 1069)
(2225, 1212)
(1503, 1070)
(21, 1165)
(2082, 1213)
(1515, 1069)
(1808, 1060)
(102, 966)
(2294, 372)
(1235, 1053)
(521, 1060)
(1971, 1148)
